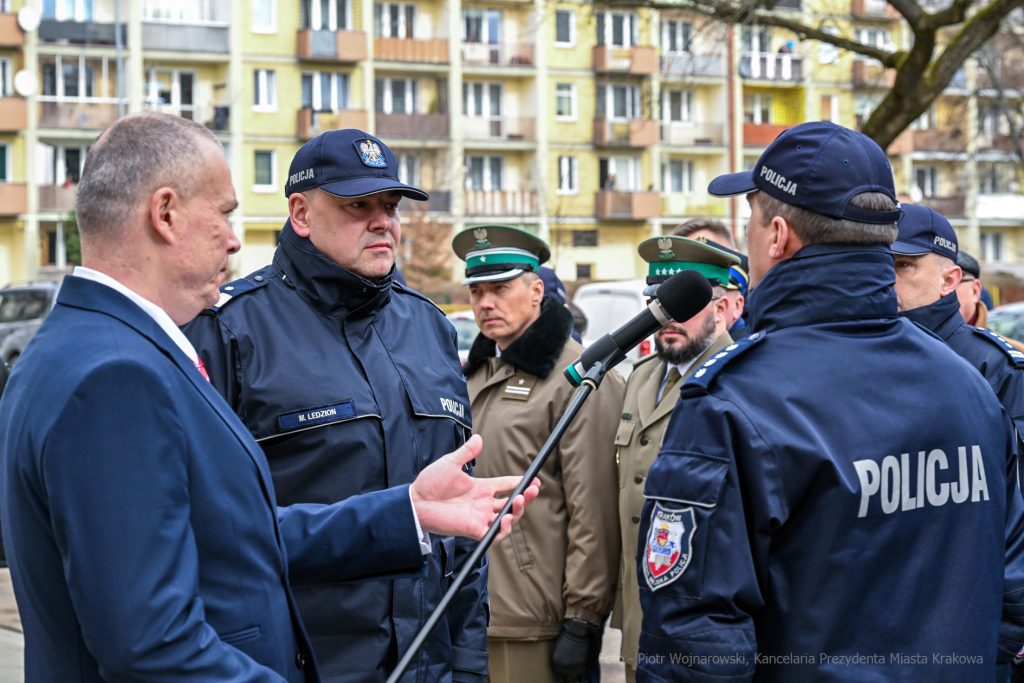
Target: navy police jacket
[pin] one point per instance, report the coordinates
(352, 386)
(839, 514)
(139, 516)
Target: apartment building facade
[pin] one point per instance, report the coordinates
(594, 127)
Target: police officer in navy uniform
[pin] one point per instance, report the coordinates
(839, 516)
(351, 383)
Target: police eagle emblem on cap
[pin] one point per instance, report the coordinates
(665, 244)
(481, 238)
(370, 154)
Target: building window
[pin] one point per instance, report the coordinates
(565, 101)
(481, 26)
(325, 15)
(827, 52)
(992, 247)
(584, 238)
(926, 180)
(757, 108)
(830, 108)
(675, 36)
(6, 78)
(265, 90)
(677, 105)
(677, 176)
(65, 10)
(484, 173)
(618, 29)
(565, 28)
(265, 165)
(78, 78)
(992, 178)
(756, 39)
(876, 37)
(408, 169)
(5, 6)
(395, 95)
(619, 174)
(171, 92)
(323, 91)
(618, 102)
(264, 16)
(5, 163)
(568, 175)
(584, 271)
(482, 99)
(394, 20)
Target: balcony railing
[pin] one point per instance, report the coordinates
(996, 142)
(692, 134)
(933, 140)
(499, 54)
(870, 74)
(311, 123)
(339, 46)
(873, 9)
(1001, 206)
(632, 133)
(213, 117)
(687, 64)
(412, 125)
(11, 34)
(77, 114)
(432, 51)
(13, 114)
(946, 206)
(634, 60)
(762, 134)
(499, 128)
(80, 32)
(57, 197)
(439, 202)
(501, 203)
(13, 199)
(627, 205)
(771, 66)
(695, 204)
(184, 37)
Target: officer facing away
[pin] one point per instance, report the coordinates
(831, 519)
(553, 586)
(351, 383)
(651, 392)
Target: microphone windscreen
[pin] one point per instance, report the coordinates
(685, 294)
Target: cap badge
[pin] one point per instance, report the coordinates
(665, 244)
(370, 154)
(481, 238)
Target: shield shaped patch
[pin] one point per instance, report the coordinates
(669, 545)
(370, 153)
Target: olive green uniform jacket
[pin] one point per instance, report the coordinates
(638, 441)
(562, 559)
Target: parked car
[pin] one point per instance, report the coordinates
(22, 310)
(609, 305)
(466, 329)
(1008, 320)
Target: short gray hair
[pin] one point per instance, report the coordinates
(130, 160)
(710, 224)
(814, 228)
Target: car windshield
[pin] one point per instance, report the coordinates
(1008, 324)
(467, 331)
(22, 305)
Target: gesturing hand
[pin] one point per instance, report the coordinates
(449, 502)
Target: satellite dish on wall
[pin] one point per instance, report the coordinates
(744, 69)
(25, 83)
(28, 18)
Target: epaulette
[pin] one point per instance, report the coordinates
(238, 287)
(398, 286)
(698, 383)
(1016, 357)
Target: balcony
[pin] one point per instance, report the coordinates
(13, 114)
(11, 34)
(995, 142)
(433, 51)
(499, 54)
(501, 203)
(13, 199)
(686, 64)
(763, 134)
(873, 9)
(632, 133)
(1000, 206)
(80, 32)
(946, 206)
(499, 128)
(311, 123)
(184, 37)
(932, 140)
(868, 74)
(412, 125)
(627, 205)
(771, 66)
(681, 204)
(638, 60)
(439, 202)
(94, 115)
(57, 197)
(331, 46)
(692, 134)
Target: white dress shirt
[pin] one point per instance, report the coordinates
(682, 368)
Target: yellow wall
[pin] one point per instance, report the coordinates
(266, 204)
(12, 249)
(280, 43)
(615, 257)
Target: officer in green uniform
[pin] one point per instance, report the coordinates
(651, 392)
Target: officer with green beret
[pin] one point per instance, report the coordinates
(553, 586)
(651, 393)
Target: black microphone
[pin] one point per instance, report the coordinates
(680, 297)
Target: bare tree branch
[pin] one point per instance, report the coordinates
(1004, 106)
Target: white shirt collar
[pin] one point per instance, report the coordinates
(682, 368)
(152, 310)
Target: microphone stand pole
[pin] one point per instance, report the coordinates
(591, 381)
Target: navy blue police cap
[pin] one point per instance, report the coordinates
(819, 167)
(922, 230)
(347, 163)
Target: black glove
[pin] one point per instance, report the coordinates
(571, 656)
